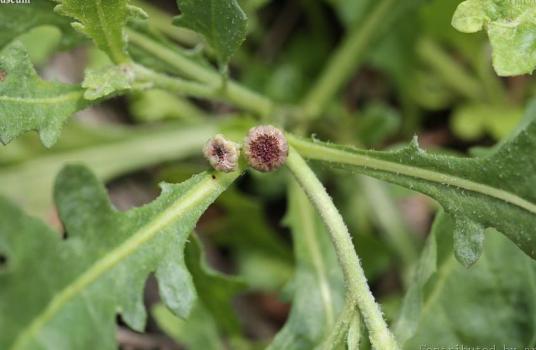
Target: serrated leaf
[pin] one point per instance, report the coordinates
(19, 19)
(496, 190)
(221, 22)
(511, 27)
(491, 304)
(29, 103)
(108, 81)
(73, 288)
(318, 284)
(212, 315)
(103, 21)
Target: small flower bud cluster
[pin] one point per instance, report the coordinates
(222, 154)
(265, 149)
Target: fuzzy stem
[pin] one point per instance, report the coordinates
(357, 287)
(178, 85)
(234, 92)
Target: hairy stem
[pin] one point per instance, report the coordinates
(234, 92)
(178, 85)
(344, 61)
(357, 287)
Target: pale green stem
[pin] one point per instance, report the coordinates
(341, 327)
(344, 61)
(357, 287)
(177, 85)
(454, 76)
(234, 92)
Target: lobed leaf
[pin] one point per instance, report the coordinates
(29, 103)
(103, 21)
(485, 306)
(318, 284)
(496, 190)
(511, 27)
(221, 22)
(59, 294)
(212, 315)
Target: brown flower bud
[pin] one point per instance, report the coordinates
(222, 154)
(265, 148)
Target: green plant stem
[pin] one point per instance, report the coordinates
(181, 86)
(234, 92)
(344, 61)
(340, 329)
(357, 287)
(454, 76)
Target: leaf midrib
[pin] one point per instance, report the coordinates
(190, 199)
(319, 152)
(74, 95)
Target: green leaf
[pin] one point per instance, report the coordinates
(212, 316)
(19, 19)
(29, 103)
(318, 284)
(221, 22)
(101, 20)
(73, 288)
(110, 152)
(216, 291)
(474, 121)
(496, 190)
(511, 27)
(108, 81)
(491, 304)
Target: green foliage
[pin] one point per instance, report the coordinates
(491, 304)
(212, 316)
(491, 191)
(107, 81)
(351, 71)
(104, 251)
(109, 153)
(511, 27)
(17, 20)
(102, 21)
(317, 285)
(221, 22)
(29, 103)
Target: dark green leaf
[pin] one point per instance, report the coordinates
(73, 288)
(496, 190)
(318, 284)
(29, 103)
(221, 22)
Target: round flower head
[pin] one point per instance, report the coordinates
(222, 154)
(265, 148)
